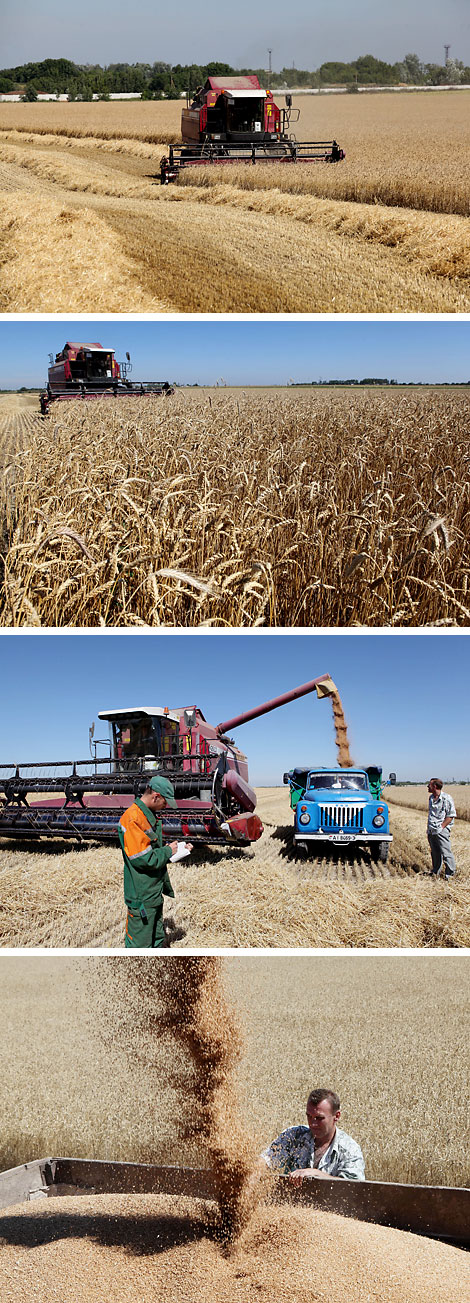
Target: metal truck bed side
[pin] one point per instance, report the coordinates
(441, 1212)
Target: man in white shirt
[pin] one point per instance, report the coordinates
(440, 820)
(319, 1149)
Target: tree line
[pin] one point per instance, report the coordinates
(165, 81)
(376, 380)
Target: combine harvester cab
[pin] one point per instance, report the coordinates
(85, 799)
(233, 120)
(340, 807)
(91, 371)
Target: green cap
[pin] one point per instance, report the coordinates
(166, 789)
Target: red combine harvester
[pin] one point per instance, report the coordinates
(91, 371)
(208, 772)
(233, 120)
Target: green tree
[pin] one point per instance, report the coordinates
(334, 73)
(414, 72)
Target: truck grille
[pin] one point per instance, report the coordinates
(341, 816)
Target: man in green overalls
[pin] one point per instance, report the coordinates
(145, 857)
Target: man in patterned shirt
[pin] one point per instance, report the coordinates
(440, 820)
(319, 1150)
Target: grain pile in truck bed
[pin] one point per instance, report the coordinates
(150, 1248)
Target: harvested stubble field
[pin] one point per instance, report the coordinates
(386, 230)
(56, 895)
(121, 1089)
(289, 508)
(18, 414)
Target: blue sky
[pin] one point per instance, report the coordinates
(405, 695)
(247, 352)
(240, 34)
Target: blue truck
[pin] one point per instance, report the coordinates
(340, 807)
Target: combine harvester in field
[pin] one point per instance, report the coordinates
(340, 808)
(91, 371)
(233, 120)
(209, 774)
(439, 1212)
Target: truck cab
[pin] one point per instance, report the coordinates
(340, 806)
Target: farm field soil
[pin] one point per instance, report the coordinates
(232, 508)
(387, 230)
(55, 895)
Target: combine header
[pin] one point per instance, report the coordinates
(235, 121)
(85, 799)
(91, 371)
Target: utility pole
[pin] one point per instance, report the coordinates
(446, 52)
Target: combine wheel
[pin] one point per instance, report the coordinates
(380, 852)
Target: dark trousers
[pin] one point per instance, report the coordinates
(145, 933)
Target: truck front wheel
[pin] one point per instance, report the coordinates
(380, 852)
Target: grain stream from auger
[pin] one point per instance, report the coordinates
(182, 1005)
(341, 732)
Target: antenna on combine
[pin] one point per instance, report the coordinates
(269, 69)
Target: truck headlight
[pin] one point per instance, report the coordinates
(304, 818)
(379, 821)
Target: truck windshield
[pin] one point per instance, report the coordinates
(341, 782)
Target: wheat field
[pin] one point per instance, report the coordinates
(289, 508)
(416, 797)
(57, 894)
(386, 230)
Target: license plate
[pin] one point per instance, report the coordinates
(341, 837)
